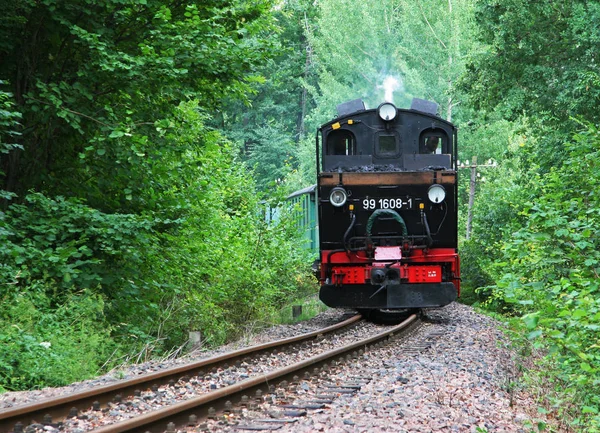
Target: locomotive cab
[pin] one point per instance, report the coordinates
(387, 208)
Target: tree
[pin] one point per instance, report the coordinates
(421, 45)
(436, 38)
(537, 57)
(271, 126)
(92, 79)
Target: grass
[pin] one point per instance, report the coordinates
(311, 306)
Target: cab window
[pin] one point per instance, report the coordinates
(387, 145)
(341, 142)
(432, 143)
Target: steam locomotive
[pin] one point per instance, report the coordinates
(387, 208)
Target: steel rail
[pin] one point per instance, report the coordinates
(59, 407)
(179, 413)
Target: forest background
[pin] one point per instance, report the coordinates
(140, 141)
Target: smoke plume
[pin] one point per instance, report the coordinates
(390, 84)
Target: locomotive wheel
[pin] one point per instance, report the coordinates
(387, 317)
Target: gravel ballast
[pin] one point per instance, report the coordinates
(463, 382)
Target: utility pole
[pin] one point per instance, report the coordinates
(472, 184)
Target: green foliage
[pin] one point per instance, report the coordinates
(224, 264)
(91, 80)
(548, 272)
(41, 346)
(9, 121)
(228, 257)
(311, 306)
(8, 125)
(474, 275)
(214, 265)
(270, 132)
(65, 268)
(272, 152)
(536, 217)
(537, 57)
(423, 46)
(65, 245)
(128, 205)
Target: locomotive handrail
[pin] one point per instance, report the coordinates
(348, 231)
(427, 230)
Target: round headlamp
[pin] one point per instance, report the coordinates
(436, 193)
(338, 197)
(387, 111)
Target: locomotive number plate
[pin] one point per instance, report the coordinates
(387, 203)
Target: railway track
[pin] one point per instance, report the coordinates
(59, 408)
(189, 411)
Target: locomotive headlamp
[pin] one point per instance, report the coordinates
(387, 111)
(436, 193)
(338, 196)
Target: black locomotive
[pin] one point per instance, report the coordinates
(387, 208)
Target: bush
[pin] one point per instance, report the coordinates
(549, 275)
(203, 260)
(63, 245)
(61, 262)
(40, 346)
(473, 273)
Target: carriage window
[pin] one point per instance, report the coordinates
(341, 142)
(387, 145)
